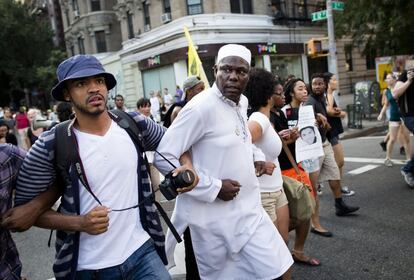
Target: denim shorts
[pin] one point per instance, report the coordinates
(334, 141)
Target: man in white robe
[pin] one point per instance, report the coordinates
(232, 236)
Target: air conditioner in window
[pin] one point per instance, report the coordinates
(166, 17)
(147, 27)
(75, 13)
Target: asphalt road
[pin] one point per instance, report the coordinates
(377, 242)
(374, 244)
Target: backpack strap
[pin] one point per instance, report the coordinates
(63, 147)
(63, 157)
(126, 121)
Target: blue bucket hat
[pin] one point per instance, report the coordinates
(80, 66)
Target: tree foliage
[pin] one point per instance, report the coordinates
(25, 47)
(384, 27)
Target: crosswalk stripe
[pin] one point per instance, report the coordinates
(363, 169)
(373, 160)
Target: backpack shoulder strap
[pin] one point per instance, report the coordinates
(63, 149)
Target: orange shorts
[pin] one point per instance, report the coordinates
(303, 177)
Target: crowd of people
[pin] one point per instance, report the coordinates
(22, 128)
(238, 138)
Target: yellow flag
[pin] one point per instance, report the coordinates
(195, 67)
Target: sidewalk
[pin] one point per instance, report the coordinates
(369, 126)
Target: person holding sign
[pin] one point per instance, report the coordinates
(329, 170)
(296, 93)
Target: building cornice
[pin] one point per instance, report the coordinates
(214, 29)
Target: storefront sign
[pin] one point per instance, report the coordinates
(154, 61)
(269, 48)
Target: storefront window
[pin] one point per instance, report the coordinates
(286, 65)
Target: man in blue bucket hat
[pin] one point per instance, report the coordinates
(103, 234)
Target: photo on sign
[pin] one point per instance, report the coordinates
(309, 143)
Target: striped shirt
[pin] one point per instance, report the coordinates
(11, 158)
(38, 172)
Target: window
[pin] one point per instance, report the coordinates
(348, 58)
(67, 17)
(72, 50)
(95, 5)
(100, 41)
(147, 20)
(130, 25)
(370, 59)
(167, 6)
(300, 9)
(81, 45)
(241, 6)
(194, 7)
(75, 5)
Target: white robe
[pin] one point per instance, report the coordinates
(232, 239)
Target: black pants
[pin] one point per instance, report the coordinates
(190, 261)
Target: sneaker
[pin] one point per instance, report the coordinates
(408, 177)
(388, 162)
(383, 145)
(346, 192)
(319, 189)
(342, 209)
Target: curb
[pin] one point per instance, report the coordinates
(362, 132)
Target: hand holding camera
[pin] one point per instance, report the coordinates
(177, 181)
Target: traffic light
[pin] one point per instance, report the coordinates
(314, 47)
(318, 47)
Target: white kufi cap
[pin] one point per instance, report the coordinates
(234, 50)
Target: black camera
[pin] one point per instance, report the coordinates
(169, 186)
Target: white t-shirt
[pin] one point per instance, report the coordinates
(168, 99)
(155, 105)
(271, 146)
(110, 164)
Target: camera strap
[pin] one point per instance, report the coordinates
(125, 121)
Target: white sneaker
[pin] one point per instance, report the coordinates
(319, 189)
(346, 192)
(388, 162)
(408, 177)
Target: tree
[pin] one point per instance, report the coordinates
(25, 47)
(383, 27)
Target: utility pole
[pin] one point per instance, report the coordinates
(332, 61)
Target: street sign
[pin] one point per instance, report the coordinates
(338, 6)
(321, 15)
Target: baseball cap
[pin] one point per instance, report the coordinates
(80, 66)
(191, 82)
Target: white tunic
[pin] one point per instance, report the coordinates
(225, 234)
